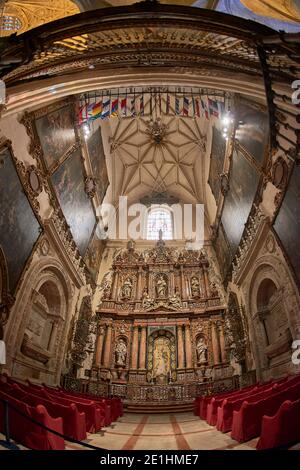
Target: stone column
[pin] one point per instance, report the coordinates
(53, 336)
(115, 285)
(138, 284)
(215, 343)
(180, 350)
(206, 282)
(99, 347)
(142, 360)
(135, 347)
(188, 347)
(107, 348)
(183, 285)
(171, 287)
(222, 341)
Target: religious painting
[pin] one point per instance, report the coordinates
(253, 129)
(223, 252)
(93, 255)
(162, 357)
(56, 132)
(287, 224)
(68, 182)
(217, 157)
(243, 183)
(19, 228)
(98, 163)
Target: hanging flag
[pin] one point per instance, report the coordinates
(96, 110)
(196, 107)
(124, 107)
(213, 108)
(186, 105)
(106, 109)
(177, 105)
(168, 104)
(114, 107)
(204, 109)
(132, 108)
(142, 110)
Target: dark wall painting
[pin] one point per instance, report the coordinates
(253, 132)
(19, 228)
(93, 255)
(287, 224)
(68, 182)
(98, 163)
(56, 133)
(243, 182)
(222, 249)
(217, 157)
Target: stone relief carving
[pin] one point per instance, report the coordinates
(126, 290)
(195, 287)
(161, 286)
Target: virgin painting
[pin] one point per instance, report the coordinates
(19, 228)
(68, 182)
(243, 183)
(253, 130)
(216, 162)
(98, 163)
(161, 357)
(56, 133)
(287, 224)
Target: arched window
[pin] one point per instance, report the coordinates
(160, 218)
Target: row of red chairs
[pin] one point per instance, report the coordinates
(257, 410)
(72, 414)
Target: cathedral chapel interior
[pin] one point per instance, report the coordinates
(150, 224)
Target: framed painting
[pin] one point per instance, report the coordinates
(253, 129)
(287, 223)
(217, 156)
(243, 184)
(19, 227)
(98, 163)
(93, 255)
(55, 128)
(68, 183)
(223, 252)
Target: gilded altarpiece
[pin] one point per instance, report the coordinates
(160, 320)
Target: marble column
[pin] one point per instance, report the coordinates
(222, 342)
(180, 350)
(107, 348)
(99, 347)
(215, 343)
(143, 342)
(188, 347)
(135, 347)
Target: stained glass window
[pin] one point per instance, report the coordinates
(159, 218)
(10, 23)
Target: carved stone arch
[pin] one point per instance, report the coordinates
(45, 270)
(269, 270)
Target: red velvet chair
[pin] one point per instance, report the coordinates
(282, 429)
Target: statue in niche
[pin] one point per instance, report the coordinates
(161, 287)
(161, 358)
(195, 287)
(127, 289)
(147, 302)
(213, 290)
(121, 353)
(175, 300)
(201, 349)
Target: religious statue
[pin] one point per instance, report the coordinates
(147, 302)
(161, 287)
(175, 300)
(195, 287)
(213, 290)
(127, 289)
(161, 359)
(201, 349)
(121, 353)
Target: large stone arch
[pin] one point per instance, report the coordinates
(46, 287)
(269, 278)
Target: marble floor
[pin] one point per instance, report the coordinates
(178, 431)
